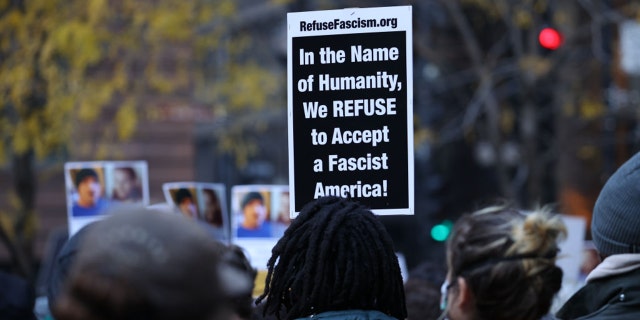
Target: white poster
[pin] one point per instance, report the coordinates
(203, 202)
(260, 218)
(350, 107)
(95, 187)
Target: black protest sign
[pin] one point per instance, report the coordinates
(350, 111)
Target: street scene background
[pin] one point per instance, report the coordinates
(198, 90)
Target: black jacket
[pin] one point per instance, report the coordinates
(616, 298)
(16, 298)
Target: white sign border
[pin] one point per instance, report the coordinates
(404, 23)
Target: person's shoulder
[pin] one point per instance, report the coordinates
(350, 315)
(614, 297)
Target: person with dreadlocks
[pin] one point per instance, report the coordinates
(335, 261)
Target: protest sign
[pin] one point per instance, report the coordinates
(260, 217)
(350, 107)
(202, 201)
(94, 187)
(260, 211)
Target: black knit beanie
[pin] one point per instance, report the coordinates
(615, 226)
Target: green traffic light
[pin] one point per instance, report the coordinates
(441, 231)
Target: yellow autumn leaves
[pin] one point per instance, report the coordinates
(84, 56)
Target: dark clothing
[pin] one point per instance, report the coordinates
(62, 264)
(16, 298)
(350, 315)
(616, 297)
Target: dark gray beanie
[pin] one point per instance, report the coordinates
(615, 226)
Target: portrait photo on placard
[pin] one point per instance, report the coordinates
(252, 211)
(126, 185)
(185, 199)
(203, 202)
(282, 209)
(94, 188)
(85, 189)
(211, 206)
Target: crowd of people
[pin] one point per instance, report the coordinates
(336, 261)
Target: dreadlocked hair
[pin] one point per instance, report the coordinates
(336, 255)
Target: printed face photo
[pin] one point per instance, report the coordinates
(201, 201)
(252, 212)
(283, 209)
(186, 202)
(89, 190)
(86, 191)
(260, 211)
(212, 208)
(93, 187)
(126, 185)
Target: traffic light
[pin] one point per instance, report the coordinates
(440, 232)
(550, 38)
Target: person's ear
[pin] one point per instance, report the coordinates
(464, 297)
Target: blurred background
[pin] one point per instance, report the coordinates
(533, 102)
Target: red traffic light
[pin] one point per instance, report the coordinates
(550, 38)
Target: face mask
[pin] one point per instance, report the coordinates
(443, 294)
(444, 290)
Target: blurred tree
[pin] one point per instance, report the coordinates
(533, 116)
(67, 62)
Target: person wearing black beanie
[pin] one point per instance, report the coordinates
(612, 290)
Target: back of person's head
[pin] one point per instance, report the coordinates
(141, 264)
(336, 255)
(62, 264)
(507, 261)
(422, 291)
(239, 269)
(615, 226)
(422, 300)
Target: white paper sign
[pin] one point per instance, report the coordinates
(350, 107)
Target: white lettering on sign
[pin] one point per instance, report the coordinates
(373, 137)
(360, 54)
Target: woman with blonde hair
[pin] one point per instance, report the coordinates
(501, 265)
